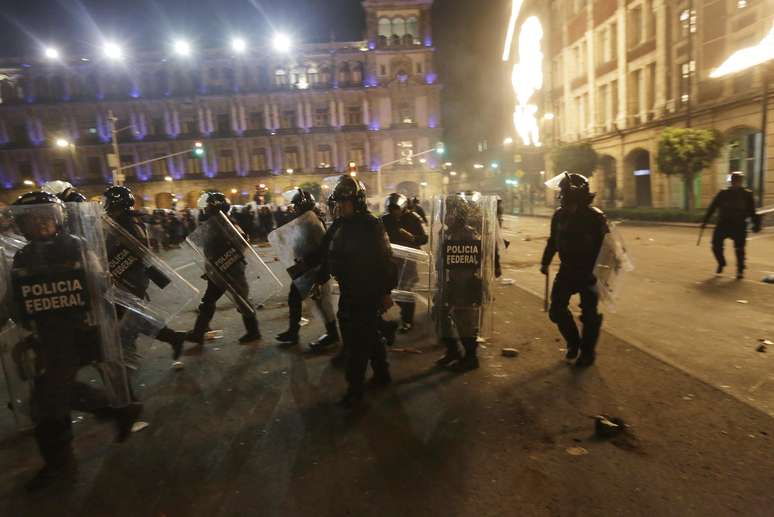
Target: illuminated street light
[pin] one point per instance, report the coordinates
(61, 143)
(112, 51)
(234, 191)
(508, 141)
(238, 45)
(51, 53)
(168, 178)
(495, 165)
(548, 116)
(281, 42)
(447, 164)
(453, 173)
(182, 48)
(199, 149)
(422, 160)
(289, 171)
(29, 183)
(478, 166)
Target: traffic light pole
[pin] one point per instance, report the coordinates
(117, 174)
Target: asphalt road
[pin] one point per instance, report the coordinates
(674, 307)
(254, 431)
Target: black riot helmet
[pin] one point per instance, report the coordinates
(574, 189)
(395, 200)
(38, 215)
(349, 189)
(212, 202)
(73, 196)
(736, 178)
(302, 201)
(118, 198)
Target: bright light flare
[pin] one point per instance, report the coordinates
(282, 42)
(168, 178)
(238, 45)
(61, 143)
(515, 10)
(747, 57)
(478, 166)
(182, 48)
(51, 53)
(508, 141)
(29, 183)
(549, 116)
(112, 51)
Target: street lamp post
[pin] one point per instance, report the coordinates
(437, 149)
(118, 177)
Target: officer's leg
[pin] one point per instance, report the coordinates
(560, 314)
(324, 304)
(718, 236)
(206, 312)
(355, 335)
(378, 353)
(592, 323)
(740, 243)
(447, 331)
(407, 310)
(466, 319)
(290, 336)
(249, 319)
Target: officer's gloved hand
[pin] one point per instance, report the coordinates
(544, 269)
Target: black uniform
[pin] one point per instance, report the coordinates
(577, 237)
(411, 223)
(64, 342)
(734, 205)
(359, 257)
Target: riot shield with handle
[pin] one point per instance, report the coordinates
(413, 270)
(296, 241)
(62, 317)
(231, 263)
(612, 262)
(147, 287)
(463, 240)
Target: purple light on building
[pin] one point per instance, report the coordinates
(374, 126)
(371, 81)
(432, 123)
(428, 41)
(402, 78)
(8, 184)
(242, 172)
(375, 164)
(431, 78)
(371, 45)
(143, 174)
(29, 99)
(135, 93)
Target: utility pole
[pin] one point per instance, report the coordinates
(115, 163)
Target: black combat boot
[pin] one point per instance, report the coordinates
(289, 337)
(175, 340)
(452, 352)
(125, 418)
(331, 337)
(251, 326)
(206, 312)
(591, 329)
(470, 361)
(54, 438)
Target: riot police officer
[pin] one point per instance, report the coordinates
(358, 255)
(303, 202)
(415, 206)
(577, 233)
(404, 228)
(118, 202)
(65, 330)
(734, 205)
(217, 283)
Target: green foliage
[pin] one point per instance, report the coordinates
(580, 158)
(686, 152)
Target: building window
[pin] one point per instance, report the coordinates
(405, 113)
(324, 156)
(687, 21)
(357, 155)
(344, 74)
(93, 166)
(160, 168)
(634, 27)
(385, 27)
(255, 120)
(687, 70)
(291, 158)
(313, 76)
(258, 160)
(226, 160)
(419, 68)
(321, 117)
(157, 126)
(224, 123)
(193, 165)
(382, 70)
(357, 73)
(354, 116)
(288, 119)
(325, 76)
(280, 77)
(614, 95)
(602, 116)
(188, 126)
(399, 26)
(412, 27)
(406, 152)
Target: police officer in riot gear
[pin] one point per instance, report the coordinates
(734, 205)
(358, 255)
(118, 202)
(211, 203)
(303, 202)
(404, 228)
(64, 339)
(577, 233)
(64, 190)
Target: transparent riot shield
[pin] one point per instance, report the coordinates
(413, 269)
(231, 263)
(60, 304)
(463, 239)
(613, 261)
(294, 242)
(148, 289)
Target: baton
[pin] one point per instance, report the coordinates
(545, 298)
(701, 232)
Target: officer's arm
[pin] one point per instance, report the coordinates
(550, 249)
(420, 235)
(383, 258)
(711, 210)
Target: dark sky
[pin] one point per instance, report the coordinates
(468, 35)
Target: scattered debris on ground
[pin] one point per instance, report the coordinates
(510, 352)
(743, 302)
(606, 426)
(576, 451)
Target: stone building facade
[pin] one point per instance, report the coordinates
(619, 71)
(266, 118)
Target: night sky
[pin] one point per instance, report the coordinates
(468, 35)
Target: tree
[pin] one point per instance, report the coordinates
(579, 158)
(686, 152)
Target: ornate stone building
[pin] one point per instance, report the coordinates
(619, 71)
(265, 117)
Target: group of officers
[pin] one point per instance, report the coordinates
(54, 254)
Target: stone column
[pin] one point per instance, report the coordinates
(662, 57)
(366, 116)
(334, 115)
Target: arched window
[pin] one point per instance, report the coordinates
(385, 27)
(325, 76)
(313, 75)
(298, 77)
(395, 40)
(412, 27)
(407, 40)
(357, 73)
(280, 77)
(399, 26)
(345, 75)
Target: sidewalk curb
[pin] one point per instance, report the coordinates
(630, 222)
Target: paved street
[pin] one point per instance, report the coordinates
(253, 430)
